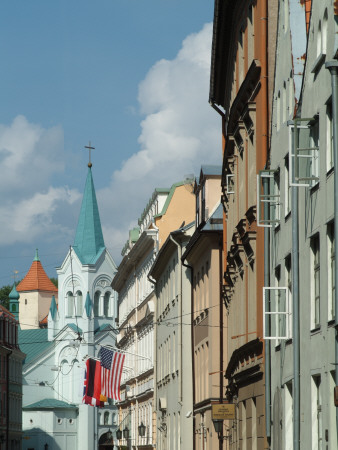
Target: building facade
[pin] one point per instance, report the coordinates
(241, 85)
(300, 308)
(11, 359)
(173, 387)
(204, 257)
(165, 211)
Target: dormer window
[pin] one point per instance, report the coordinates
(197, 209)
(203, 215)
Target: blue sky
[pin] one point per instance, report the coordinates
(131, 76)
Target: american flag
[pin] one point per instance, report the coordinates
(111, 372)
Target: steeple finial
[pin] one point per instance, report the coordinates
(36, 255)
(90, 148)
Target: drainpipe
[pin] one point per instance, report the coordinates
(192, 350)
(333, 68)
(295, 311)
(179, 248)
(221, 332)
(267, 345)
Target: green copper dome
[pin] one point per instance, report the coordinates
(89, 243)
(14, 295)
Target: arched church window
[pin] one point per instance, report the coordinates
(97, 303)
(106, 418)
(79, 305)
(70, 304)
(13, 308)
(106, 304)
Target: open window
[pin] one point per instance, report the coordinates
(230, 183)
(277, 311)
(304, 152)
(268, 198)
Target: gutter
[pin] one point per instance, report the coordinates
(332, 66)
(267, 344)
(295, 310)
(192, 351)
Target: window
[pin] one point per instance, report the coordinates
(286, 15)
(315, 281)
(288, 278)
(25, 301)
(106, 418)
(197, 209)
(319, 39)
(276, 312)
(268, 198)
(331, 271)
(329, 137)
(106, 304)
(278, 108)
(79, 305)
(288, 415)
(304, 152)
(97, 303)
(287, 188)
(203, 212)
(70, 304)
(314, 143)
(316, 408)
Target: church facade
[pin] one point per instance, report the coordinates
(79, 323)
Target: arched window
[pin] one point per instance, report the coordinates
(106, 418)
(319, 39)
(70, 304)
(97, 303)
(79, 306)
(106, 304)
(324, 33)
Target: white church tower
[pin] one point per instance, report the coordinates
(81, 322)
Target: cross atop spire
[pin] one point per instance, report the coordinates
(90, 148)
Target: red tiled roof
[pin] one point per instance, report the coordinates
(44, 321)
(36, 280)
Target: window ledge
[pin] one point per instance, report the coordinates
(287, 215)
(315, 330)
(315, 187)
(329, 172)
(331, 323)
(318, 63)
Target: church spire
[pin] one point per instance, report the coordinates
(89, 242)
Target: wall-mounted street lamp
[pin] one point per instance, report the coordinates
(141, 429)
(118, 434)
(126, 433)
(218, 425)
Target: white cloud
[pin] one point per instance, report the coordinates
(36, 217)
(29, 156)
(30, 208)
(180, 131)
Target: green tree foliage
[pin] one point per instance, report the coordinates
(54, 281)
(4, 295)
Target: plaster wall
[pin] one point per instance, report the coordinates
(315, 212)
(181, 208)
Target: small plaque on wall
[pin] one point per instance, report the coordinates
(223, 411)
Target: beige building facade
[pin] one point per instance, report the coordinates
(165, 211)
(204, 256)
